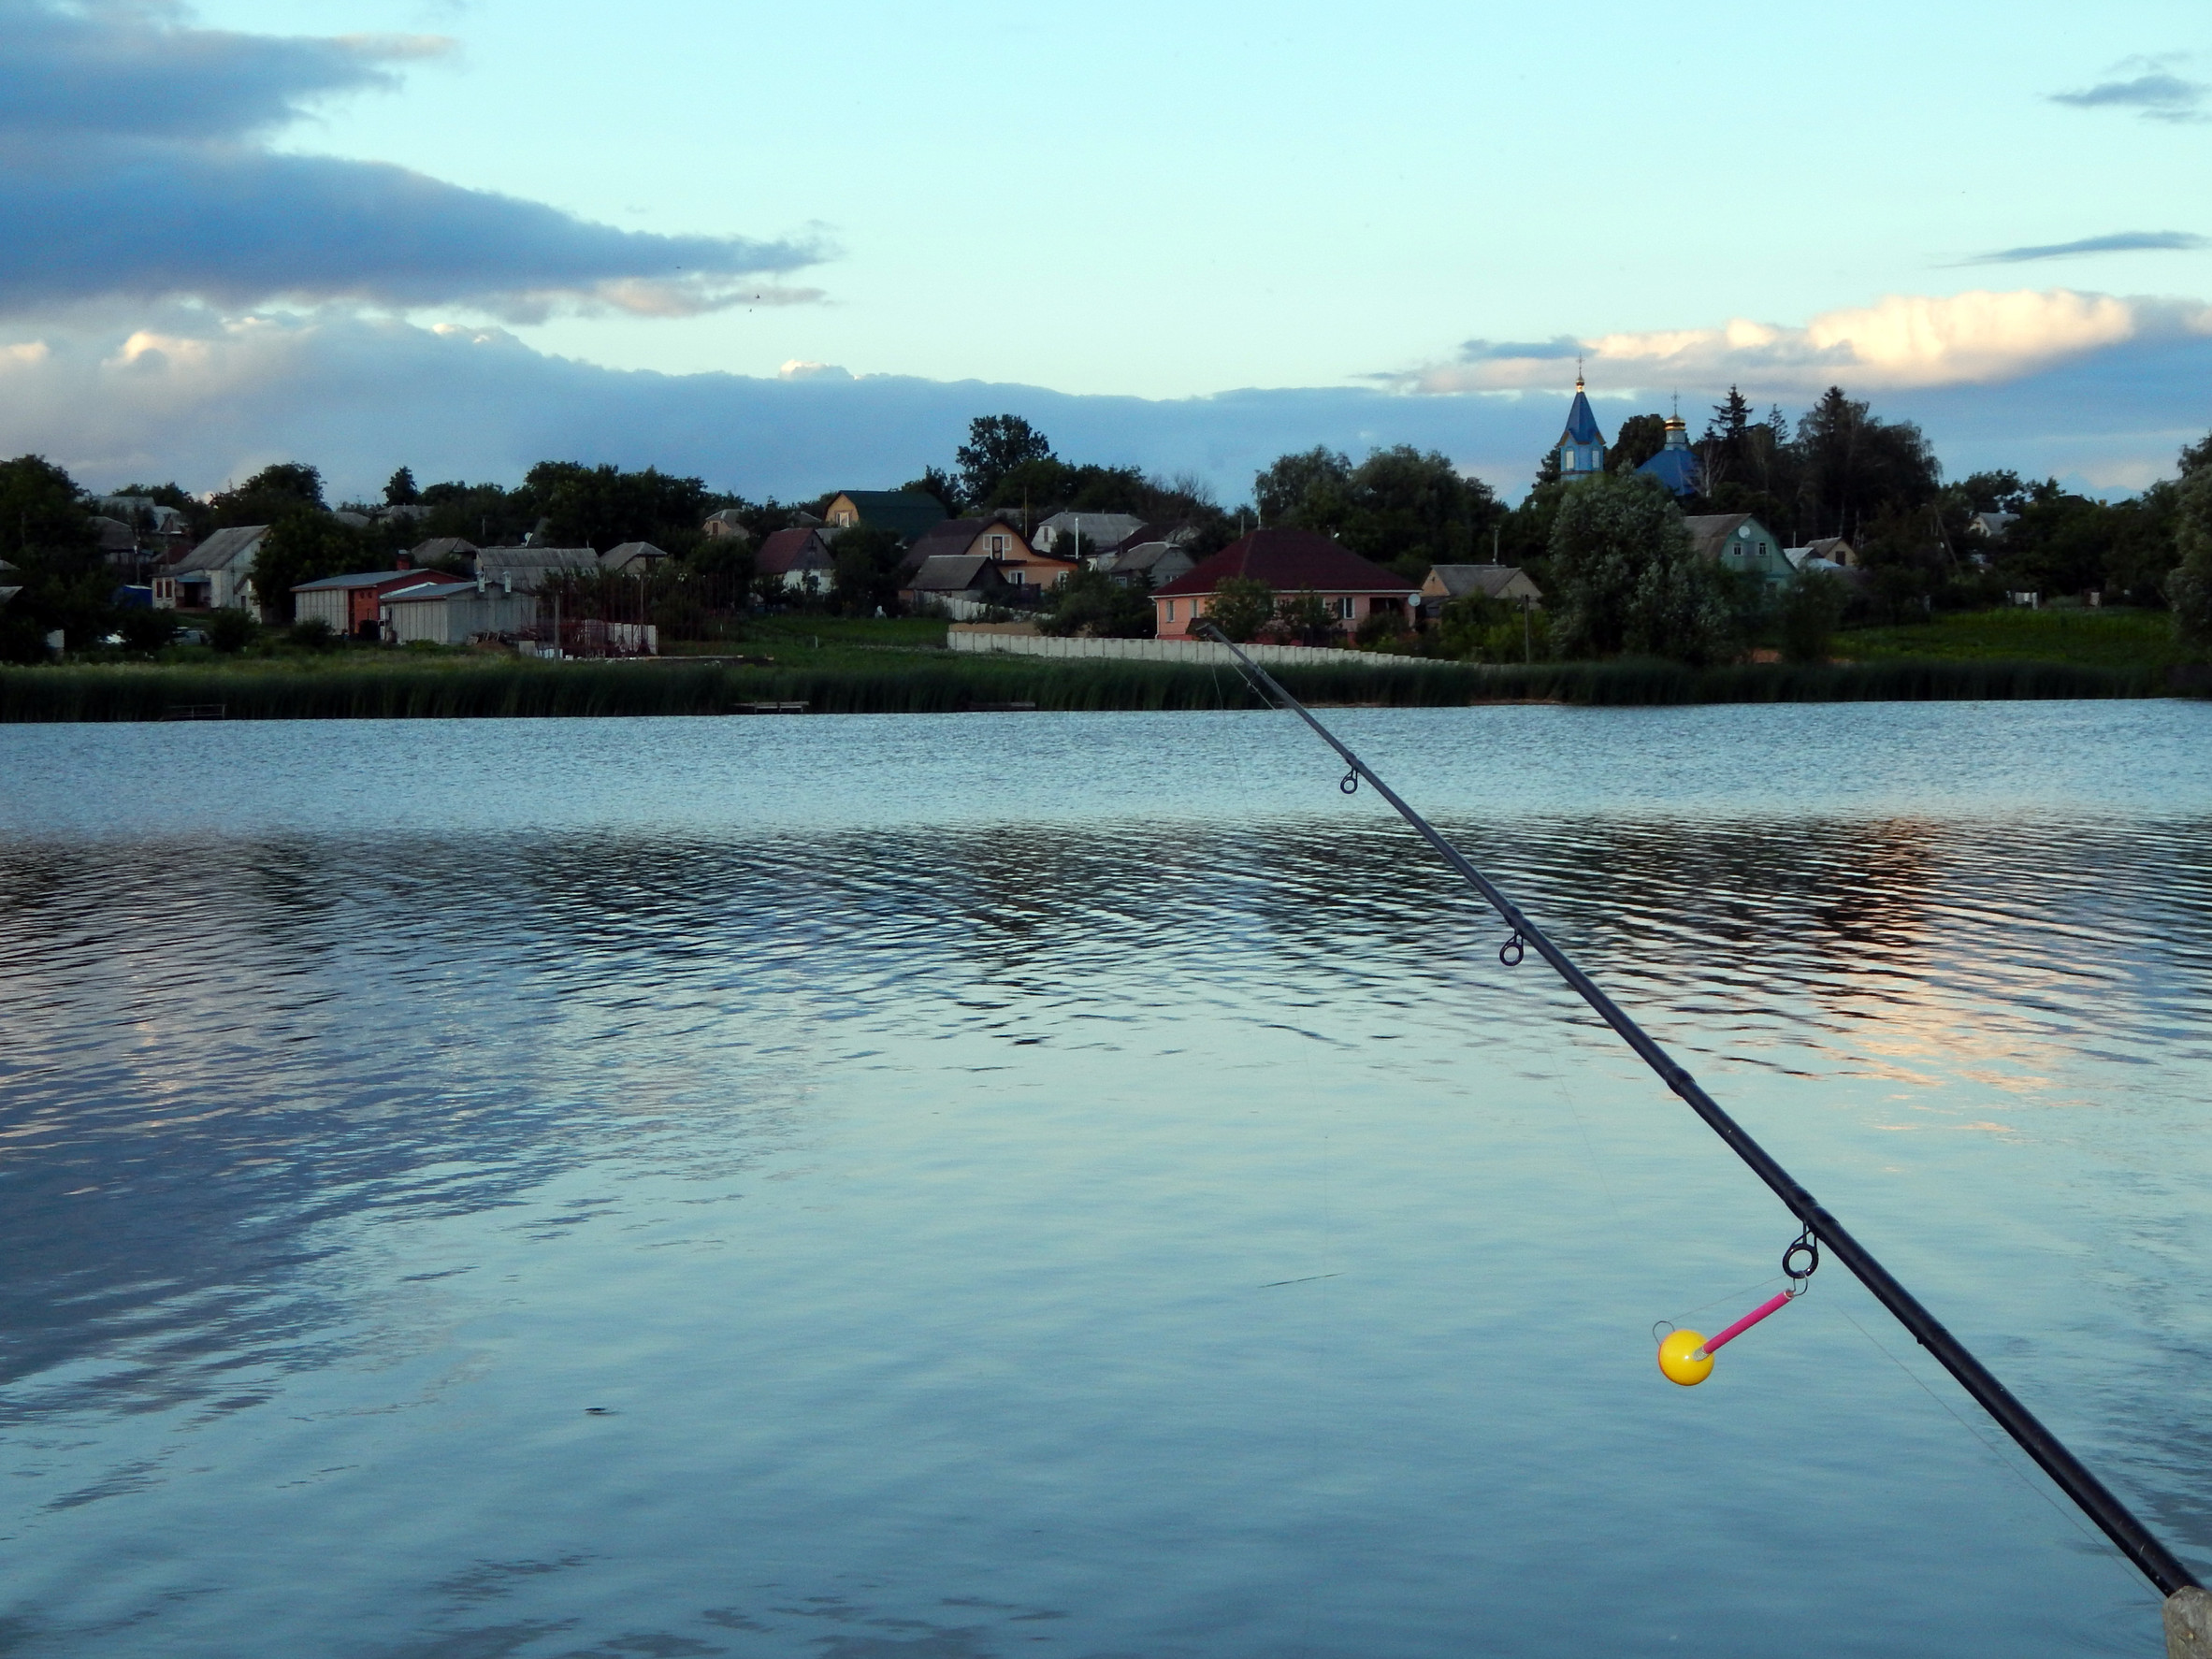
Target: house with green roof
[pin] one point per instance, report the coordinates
(906, 513)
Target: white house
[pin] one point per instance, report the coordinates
(633, 556)
(794, 557)
(1084, 534)
(216, 575)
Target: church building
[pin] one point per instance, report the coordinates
(1676, 465)
(1581, 446)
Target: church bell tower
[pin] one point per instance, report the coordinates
(1581, 446)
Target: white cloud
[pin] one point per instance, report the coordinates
(1902, 341)
(115, 392)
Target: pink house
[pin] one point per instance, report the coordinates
(1291, 562)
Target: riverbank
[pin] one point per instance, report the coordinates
(359, 686)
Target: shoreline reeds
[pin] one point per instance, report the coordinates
(521, 689)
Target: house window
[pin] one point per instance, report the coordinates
(1015, 577)
(998, 545)
(1344, 608)
(1170, 617)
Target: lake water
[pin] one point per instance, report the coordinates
(930, 1188)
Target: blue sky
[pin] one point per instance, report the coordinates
(1411, 216)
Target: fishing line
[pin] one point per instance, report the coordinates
(1691, 1313)
(2069, 1516)
(1822, 1230)
(1595, 1162)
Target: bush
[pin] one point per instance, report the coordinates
(1091, 603)
(231, 631)
(1377, 627)
(1812, 607)
(2189, 588)
(312, 634)
(146, 630)
(1307, 618)
(1241, 607)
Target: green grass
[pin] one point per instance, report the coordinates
(2105, 639)
(852, 680)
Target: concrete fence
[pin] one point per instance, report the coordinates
(1199, 653)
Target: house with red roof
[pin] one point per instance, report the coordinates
(1291, 562)
(793, 555)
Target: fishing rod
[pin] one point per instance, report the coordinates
(2119, 1523)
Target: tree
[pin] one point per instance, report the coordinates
(269, 495)
(1305, 491)
(1906, 557)
(399, 489)
(1306, 617)
(47, 534)
(2188, 589)
(489, 514)
(935, 481)
(1034, 485)
(304, 545)
(230, 632)
(2196, 456)
(602, 507)
(1402, 506)
(1855, 466)
(728, 558)
(1640, 439)
(1628, 577)
(1091, 603)
(146, 630)
(1993, 492)
(1475, 627)
(1811, 609)
(1241, 606)
(1413, 509)
(865, 578)
(996, 445)
(40, 508)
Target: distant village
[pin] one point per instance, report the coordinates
(1381, 554)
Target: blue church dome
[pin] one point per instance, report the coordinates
(1676, 465)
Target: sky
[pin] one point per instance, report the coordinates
(796, 247)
